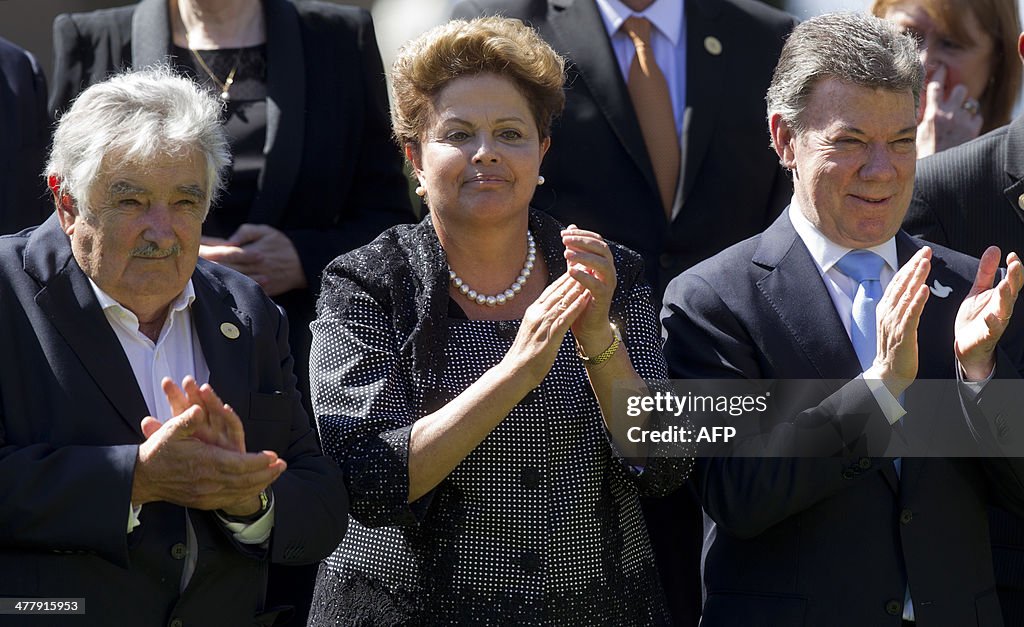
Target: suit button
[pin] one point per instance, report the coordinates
(666, 260)
(906, 516)
(530, 477)
(849, 474)
(894, 608)
(176, 622)
(864, 463)
(530, 562)
(179, 551)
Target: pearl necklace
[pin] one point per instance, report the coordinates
(499, 299)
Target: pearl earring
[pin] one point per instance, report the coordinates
(421, 191)
(540, 180)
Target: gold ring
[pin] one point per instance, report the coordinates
(970, 106)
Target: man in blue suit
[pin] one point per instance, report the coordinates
(152, 504)
(827, 530)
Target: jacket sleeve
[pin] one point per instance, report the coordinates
(363, 404)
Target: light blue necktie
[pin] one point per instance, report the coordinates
(864, 267)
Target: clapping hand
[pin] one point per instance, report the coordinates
(985, 313)
(591, 266)
(197, 458)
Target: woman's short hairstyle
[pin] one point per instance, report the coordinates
(1000, 20)
(496, 45)
(850, 47)
(137, 116)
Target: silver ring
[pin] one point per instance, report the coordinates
(970, 106)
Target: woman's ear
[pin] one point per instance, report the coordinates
(412, 153)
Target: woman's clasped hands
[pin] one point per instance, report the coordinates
(579, 300)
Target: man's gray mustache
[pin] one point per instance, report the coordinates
(152, 251)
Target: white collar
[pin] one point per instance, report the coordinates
(827, 253)
(665, 15)
(182, 301)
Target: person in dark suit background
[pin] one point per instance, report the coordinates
(118, 487)
(314, 174)
(717, 57)
(967, 198)
(837, 533)
(24, 136)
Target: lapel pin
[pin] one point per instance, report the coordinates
(1020, 201)
(940, 290)
(229, 330)
(713, 45)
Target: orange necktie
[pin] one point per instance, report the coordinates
(648, 90)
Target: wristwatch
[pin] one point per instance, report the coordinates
(266, 500)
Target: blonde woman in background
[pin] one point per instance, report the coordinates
(973, 75)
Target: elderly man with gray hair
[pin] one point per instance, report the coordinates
(810, 520)
(154, 456)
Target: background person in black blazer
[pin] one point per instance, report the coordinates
(24, 136)
(97, 306)
(599, 175)
(968, 198)
(838, 535)
(321, 169)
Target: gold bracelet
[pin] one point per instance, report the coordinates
(604, 355)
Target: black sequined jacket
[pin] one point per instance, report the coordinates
(379, 363)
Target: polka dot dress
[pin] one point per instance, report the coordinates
(540, 524)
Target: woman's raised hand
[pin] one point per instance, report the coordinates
(545, 324)
(592, 267)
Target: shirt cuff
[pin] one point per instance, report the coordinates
(891, 408)
(256, 532)
(973, 388)
(133, 516)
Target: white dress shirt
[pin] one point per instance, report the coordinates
(176, 354)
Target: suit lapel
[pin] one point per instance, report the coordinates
(704, 79)
(574, 25)
(286, 105)
(151, 34)
(213, 316)
(795, 292)
(69, 303)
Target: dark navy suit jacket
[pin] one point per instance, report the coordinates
(834, 539)
(70, 410)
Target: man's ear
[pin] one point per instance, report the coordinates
(67, 211)
(783, 138)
